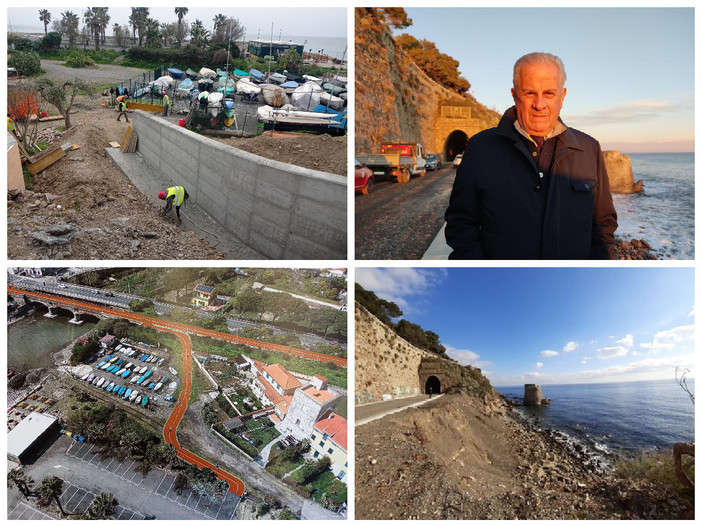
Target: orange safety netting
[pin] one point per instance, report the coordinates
(21, 104)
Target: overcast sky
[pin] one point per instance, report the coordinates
(318, 21)
(551, 325)
(630, 70)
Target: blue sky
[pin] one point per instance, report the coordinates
(552, 325)
(630, 70)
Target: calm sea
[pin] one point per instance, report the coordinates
(621, 417)
(664, 215)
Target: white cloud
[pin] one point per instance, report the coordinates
(612, 352)
(466, 357)
(539, 365)
(398, 284)
(691, 314)
(670, 339)
(570, 347)
(633, 111)
(646, 369)
(548, 354)
(627, 341)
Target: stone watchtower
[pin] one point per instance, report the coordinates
(532, 394)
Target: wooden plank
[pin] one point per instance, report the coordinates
(114, 144)
(125, 139)
(46, 161)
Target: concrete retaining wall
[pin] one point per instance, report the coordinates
(281, 210)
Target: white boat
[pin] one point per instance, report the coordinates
(143, 369)
(138, 400)
(291, 116)
(158, 386)
(100, 382)
(109, 386)
(307, 96)
(133, 395)
(85, 376)
(310, 78)
(247, 89)
(215, 103)
(172, 370)
(129, 365)
(134, 379)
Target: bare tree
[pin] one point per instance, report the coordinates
(681, 379)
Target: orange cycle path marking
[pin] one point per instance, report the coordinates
(233, 338)
(236, 486)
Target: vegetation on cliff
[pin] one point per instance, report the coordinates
(385, 310)
(439, 66)
(399, 91)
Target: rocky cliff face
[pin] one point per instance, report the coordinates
(621, 176)
(386, 365)
(395, 100)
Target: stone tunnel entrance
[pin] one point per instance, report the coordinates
(455, 143)
(432, 385)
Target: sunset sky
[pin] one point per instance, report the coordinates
(630, 70)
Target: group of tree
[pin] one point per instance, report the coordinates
(438, 66)
(142, 29)
(385, 310)
(50, 489)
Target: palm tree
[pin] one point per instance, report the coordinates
(181, 12)
(103, 20)
(138, 20)
(45, 17)
(70, 22)
(102, 507)
(219, 21)
(50, 488)
(198, 34)
(19, 478)
(91, 19)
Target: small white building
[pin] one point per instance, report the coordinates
(29, 435)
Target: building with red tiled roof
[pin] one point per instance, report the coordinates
(308, 404)
(329, 437)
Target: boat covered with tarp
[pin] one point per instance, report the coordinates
(175, 73)
(321, 120)
(274, 95)
(306, 96)
(256, 75)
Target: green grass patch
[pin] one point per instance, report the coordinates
(655, 466)
(335, 374)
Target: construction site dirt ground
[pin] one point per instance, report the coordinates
(110, 219)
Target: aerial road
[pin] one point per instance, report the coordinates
(399, 221)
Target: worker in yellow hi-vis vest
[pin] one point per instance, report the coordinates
(174, 196)
(166, 102)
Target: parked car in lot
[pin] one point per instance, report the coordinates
(364, 179)
(433, 161)
(457, 160)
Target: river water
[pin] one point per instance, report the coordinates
(32, 340)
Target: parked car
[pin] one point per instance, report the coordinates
(433, 161)
(457, 160)
(364, 178)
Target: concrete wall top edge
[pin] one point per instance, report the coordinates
(278, 165)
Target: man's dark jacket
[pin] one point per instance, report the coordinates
(498, 211)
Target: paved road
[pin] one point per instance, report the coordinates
(369, 412)
(399, 221)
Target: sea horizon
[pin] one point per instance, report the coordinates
(689, 379)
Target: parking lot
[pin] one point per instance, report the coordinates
(86, 473)
(157, 481)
